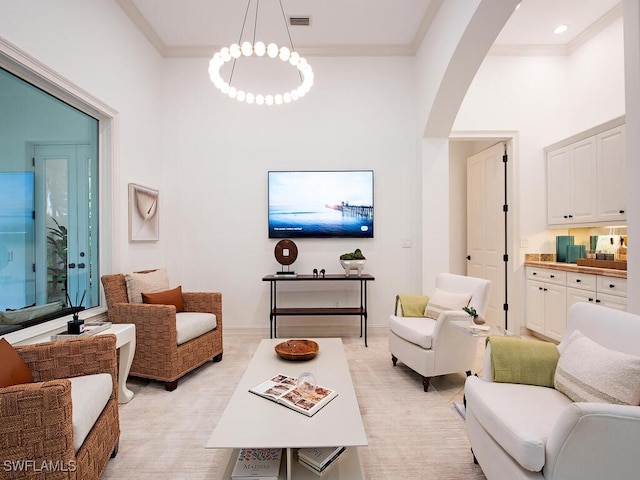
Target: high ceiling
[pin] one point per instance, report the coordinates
(351, 27)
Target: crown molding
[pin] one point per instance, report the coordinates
(206, 51)
(139, 20)
(561, 50)
(596, 27)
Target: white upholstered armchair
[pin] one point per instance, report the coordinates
(432, 346)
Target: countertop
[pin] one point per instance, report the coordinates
(572, 267)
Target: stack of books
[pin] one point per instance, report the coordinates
(257, 464)
(90, 328)
(319, 459)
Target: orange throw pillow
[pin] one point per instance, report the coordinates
(13, 370)
(168, 297)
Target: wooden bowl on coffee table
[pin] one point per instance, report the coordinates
(297, 349)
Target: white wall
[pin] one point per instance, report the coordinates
(632, 85)
(360, 114)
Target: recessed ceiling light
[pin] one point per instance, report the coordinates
(560, 29)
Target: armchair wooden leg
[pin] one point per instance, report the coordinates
(171, 386)
(217, 358)
(394, 359)
(425, 383)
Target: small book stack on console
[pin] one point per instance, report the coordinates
(320, 459)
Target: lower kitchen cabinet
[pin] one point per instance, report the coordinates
(546, 302)
(550, 294)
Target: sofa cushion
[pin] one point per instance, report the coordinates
(13, 370)
(190, 325)
(89, 395)
(589, 372)
(167, 297)
(442, 300)
(415, 330)
(148, 282)
(519, 417)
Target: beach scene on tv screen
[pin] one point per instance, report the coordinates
(321, 204)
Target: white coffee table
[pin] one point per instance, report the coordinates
(250, 421)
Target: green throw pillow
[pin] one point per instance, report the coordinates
(411, 305)
(522, 360)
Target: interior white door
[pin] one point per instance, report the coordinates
(486, 226)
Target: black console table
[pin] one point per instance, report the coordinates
(275, 311)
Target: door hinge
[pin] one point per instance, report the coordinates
(33, 267)
(505, 208)
(505, 158)
(33, 161)
(505, 257)
(33, 214)
(505, 307)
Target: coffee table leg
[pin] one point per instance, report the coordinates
(289, 455)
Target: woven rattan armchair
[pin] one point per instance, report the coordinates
(158, 356)
(36, 431)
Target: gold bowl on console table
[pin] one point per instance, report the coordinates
(297, 349)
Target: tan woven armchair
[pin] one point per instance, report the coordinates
(36, 431)
(157, 355)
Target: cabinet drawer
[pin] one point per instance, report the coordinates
(612, 286)
(547, 275)
(583, 281)
(613, 301)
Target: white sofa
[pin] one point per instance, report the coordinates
(521, 431)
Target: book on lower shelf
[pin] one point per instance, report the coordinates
(284, 390)
(320, 460)
(90, 328)
(257, 464)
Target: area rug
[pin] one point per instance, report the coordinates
(412, 434)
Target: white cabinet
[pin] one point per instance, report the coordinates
(612, 292)
(550, 293)
(586, 177)
(546, 309)
(571, 181)
(606, 291)
(611, 168)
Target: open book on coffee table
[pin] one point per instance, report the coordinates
(284, 390)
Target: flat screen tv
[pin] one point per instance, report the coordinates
(321, 204)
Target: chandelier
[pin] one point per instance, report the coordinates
(271, 51)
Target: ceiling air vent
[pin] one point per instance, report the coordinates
(299, 21)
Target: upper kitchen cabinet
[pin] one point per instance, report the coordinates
(571, 183)
(612, 191)
(585, 177)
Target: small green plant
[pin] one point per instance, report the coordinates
(471, 311)
(355, 255)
